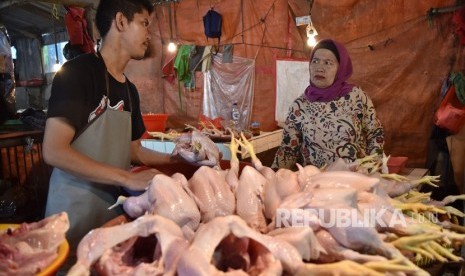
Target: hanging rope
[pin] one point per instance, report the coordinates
(55, 12)
(171, 28)
(55, 17)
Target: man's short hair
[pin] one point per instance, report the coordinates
(107, 10)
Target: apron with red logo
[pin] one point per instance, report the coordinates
(106, 139)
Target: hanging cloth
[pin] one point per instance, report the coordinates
(168, 70)
(181, 63)
(227, 53)
(459, 83)
(207, 58)
(76, 26)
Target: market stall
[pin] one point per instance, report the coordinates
(214, 204)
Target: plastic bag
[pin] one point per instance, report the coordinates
(228, 83)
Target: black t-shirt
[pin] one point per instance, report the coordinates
(79, 87)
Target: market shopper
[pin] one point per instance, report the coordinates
(94, 123)
(332, 119)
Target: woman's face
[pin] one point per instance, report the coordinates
(323, 68)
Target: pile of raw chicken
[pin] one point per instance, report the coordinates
(223, 221)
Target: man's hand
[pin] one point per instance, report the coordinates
(139, 181)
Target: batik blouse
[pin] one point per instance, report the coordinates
(317, 133)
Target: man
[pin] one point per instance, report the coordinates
(94, 123)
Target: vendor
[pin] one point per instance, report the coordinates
(332, 119)
(94, 123)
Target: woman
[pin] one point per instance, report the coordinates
(332, 119)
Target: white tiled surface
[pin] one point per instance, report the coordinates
(263, 142)
(168, 147)
(155, 145)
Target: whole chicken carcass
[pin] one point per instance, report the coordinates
(31, 247)
(249, 198)
(337, 252)
(284, 184)
(197, 148)
(212, 193)
(256, 253)
(280, 184)
(388, 218)
(166, 196)
(232, 174)
(327, 205)
(343, 179)
(357, 235)
(119, 256)
(302, 238)
(395, 185)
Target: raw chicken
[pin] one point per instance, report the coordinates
(357, 235)
(212, 193)
(31, 247)
(261, 195)
(292, 209)
(326, 203)
(102, 242)
(197, 148)
(337, 252)
(166, 196)
(232, 174)
(284, 183)
(266, 254)
(384, 210)
(249, 198)
(341, 179)
(395, 185)
(302, 238)
(305, 173)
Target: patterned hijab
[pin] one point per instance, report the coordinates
(340, 87)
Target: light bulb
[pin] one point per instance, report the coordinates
(311, 31)
(56, 67)
(172, 47)
(311, 41)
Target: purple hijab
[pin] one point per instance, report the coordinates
(340, 87)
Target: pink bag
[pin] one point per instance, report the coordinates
(451, 113)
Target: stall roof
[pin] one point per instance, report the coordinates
(31, 18)
(28, 18)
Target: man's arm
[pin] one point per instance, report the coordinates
(144, 156)
(59, 153)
